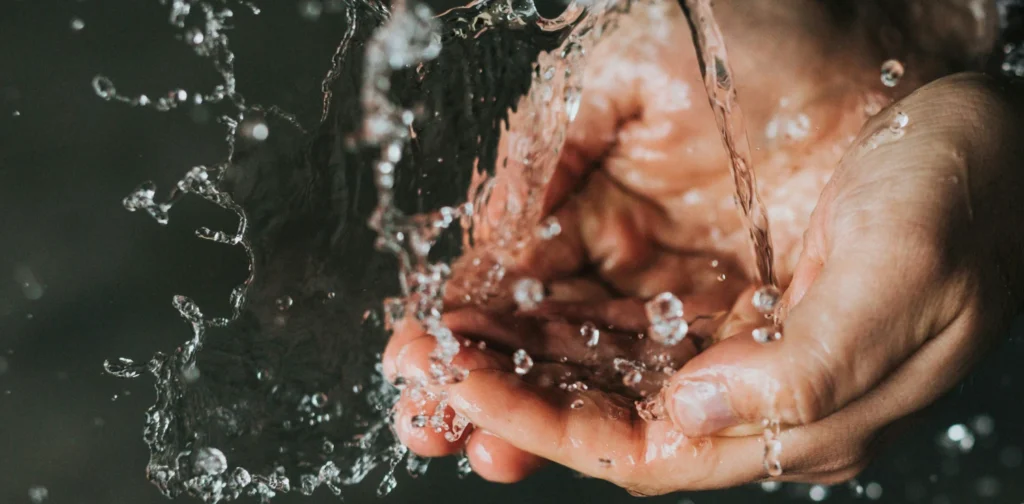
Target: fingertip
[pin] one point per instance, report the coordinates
(495, 460)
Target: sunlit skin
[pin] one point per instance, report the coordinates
(900, 259)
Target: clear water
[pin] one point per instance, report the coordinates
(721, 90)
(256, 404)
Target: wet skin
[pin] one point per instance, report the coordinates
(900, 260)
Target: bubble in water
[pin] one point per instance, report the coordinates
(419, 421)
(577, 404)
(766, 334)
(665, 313)
(211, 461)
(38, 494)
(770, 486)
(522, 361)
(77, 24)
(459, 424)
(766, 299)
(528, 293)
(892, 72)
(591, 334)
(549, 228)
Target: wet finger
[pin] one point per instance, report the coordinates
(496, 460)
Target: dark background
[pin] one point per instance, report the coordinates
(67, 158)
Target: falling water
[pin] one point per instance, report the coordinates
(718, 81)
(721, 90)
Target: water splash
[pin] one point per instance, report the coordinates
(208, 444)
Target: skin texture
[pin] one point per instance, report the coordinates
(897, 249)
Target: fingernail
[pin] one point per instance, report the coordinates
(701, 408)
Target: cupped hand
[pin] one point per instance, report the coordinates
(889, 298)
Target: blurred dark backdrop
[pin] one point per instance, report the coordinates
(67, 158)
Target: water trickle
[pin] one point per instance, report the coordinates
(721, 91)
(772, 447)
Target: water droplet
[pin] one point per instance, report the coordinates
(104, 87)
(522, 361)
(873, 491)
(77, 24)
(310, 9)
(190, 374)
(528, 293)
(241, 477)
(577, 404)
(195, 36)
(818, 493)
(892, 72)
(211, 461)
(632, 378)
(766, 334)
(419, 421)
(549, 228)
(284, 303)
(459, 424)
(318, 400)
(38, 494)
(984, 425)
(665, 313)
(772, 447)
(260, 132)
(766, 299)
(652, 409)
(958, 437)
(591, 334)
(899, 121)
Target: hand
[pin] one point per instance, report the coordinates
(603, 438)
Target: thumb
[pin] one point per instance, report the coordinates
(847, 330)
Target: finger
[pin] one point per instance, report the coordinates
(406, 330)
(494, 459)
(425, 429)
(603, 437)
